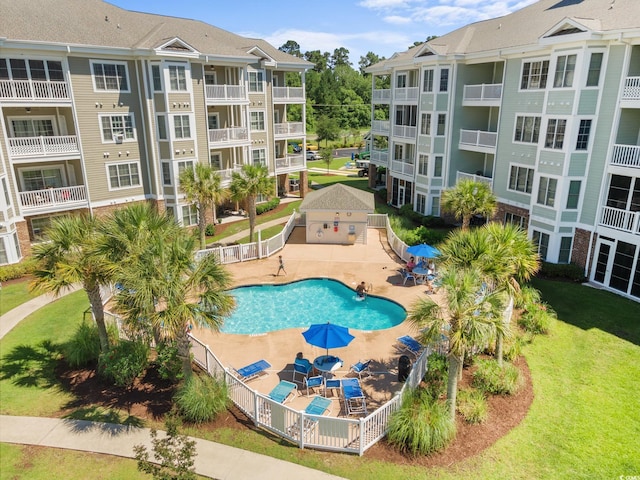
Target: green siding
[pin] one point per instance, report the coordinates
(541, 226)
(568, 217)
(551, 163)
(544, 212)
(442, 102)
(560, 102)
(565, 230)
(588, 102)
(578, 164)
(427, 102)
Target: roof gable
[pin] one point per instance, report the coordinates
(176, 46)
(262, 55)
(339, 197)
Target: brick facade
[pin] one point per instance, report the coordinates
(502, 209)
(580, 252)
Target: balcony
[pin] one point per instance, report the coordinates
(380, 157)
(406, 93)
(618, 219)
(405, 131)
(36, 90)
(631, 89)
(226, 175)
(381, 95)
(482, 95)
(478, 141)
(43, 146)
(474, 178)
(290, 163)
(380, 126)
(53, 199)
(288, 129)
(288, 94)
(228, 136)
(226, 94)
(403, 167)
(626, 156)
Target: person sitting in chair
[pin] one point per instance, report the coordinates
(411, 264)
(361, 290)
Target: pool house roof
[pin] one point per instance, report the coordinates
(338, 197)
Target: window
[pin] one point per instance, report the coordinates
(565, 68)
(574, 194)
(3, 252)
(111, 77)
(124, 175)
(541, 241)
(162, 127)
(437, 167)
(256, 80)
(423, 164)
(435, 207)
(442, 120)
(178, 78)
(156, 77)
(259, 156)
(182, 166)
(421, 203)
(216, 160)
(425, 124)
(427, 81)
(444, 80)
(257, 121)
(527, 129)
(534, 75)
(166, 173)
(39, 179)
(520, 179)
(514, 219)
(401, 80)
(39, 226)
(564, 255)
(555, 133)
(406, 115)
(582, 142)
(595, 64)
(5, 190)
(33, 127)
(212, 121)
(20, 69)
(181, 126)
(547, 191)
(117, 128)
(189, 215)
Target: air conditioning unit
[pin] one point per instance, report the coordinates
(119, 138)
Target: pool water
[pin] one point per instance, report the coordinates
(267, 308)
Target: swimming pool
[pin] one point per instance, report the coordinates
(267, 308)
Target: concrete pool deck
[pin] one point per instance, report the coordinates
(375, 263)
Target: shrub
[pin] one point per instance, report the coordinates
(169, 365)
(492, 378)
(538, 319)
(265, 207)
(472, 405)
(566, 271)
(17, 270)
(124, 362)
(513, 346)
(210, 230)
(84, 347)
(201, 398)
(422, 425)
(528, 296)
(436, 375)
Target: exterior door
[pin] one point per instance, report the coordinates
(604, 258)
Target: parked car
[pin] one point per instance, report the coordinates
(311, 155)
(363, 165)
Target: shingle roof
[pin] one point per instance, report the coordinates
(97, 23)
(339, 197)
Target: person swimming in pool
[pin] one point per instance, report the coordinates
(361, 290)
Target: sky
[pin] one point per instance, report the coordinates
(380, 26)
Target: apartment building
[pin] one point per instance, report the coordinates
(101, 106)
(544, 105)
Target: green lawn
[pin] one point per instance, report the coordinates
(14, 294)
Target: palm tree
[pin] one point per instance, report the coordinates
(203, 186)
(468, 198)
(70, 257)
(467, 318)
(251, 181)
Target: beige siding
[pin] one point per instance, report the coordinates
(200, 109)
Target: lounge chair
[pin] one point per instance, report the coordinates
(410, 344)
(318, 406)
(253, 370)
(313, 382)
(302, 367)
(281, 392)
(361, 368)
(354, 400)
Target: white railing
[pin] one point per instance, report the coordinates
(405, 131)
(380, 126)
(631, 90)
(225, 135)
(288, 128)
(225, 92)
(406, 93)
(403, 167)
(33, 90)
(290, 161)
(626, 155)
(53, 197)
(42, 146)
(380, 157)
(478, 138)
(474, 178)
(227, 173)
(483, 92)
(288, 93)
(619, 219)
(381, 95)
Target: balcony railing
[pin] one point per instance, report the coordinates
(483, 92)
(43, 146)
(52, 197)
(380, 126)
(626, 156)
(288, 93)
(225, 92)
(406, 93)
(631, 90)
(33, 90)
(288, 128)
(478, 138)
(380, 157)
(621, 219)
(403, 167)
(474, 178)
(381, 95)
(405, 131)
(228, 135)
(227, 173)
(290, 161)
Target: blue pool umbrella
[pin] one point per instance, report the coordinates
(423, 250)
(327, 335)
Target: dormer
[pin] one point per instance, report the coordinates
(572, 29)
(176, 47)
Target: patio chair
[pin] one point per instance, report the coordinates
(302, 367)
(318, 406)
(410, 344)
(252, 370)
(360, 368)
(406, 275)
(313, 382)
(332, 384)
(354, 400)
(281, 392)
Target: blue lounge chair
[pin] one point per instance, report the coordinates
(253, 370)
(281, 392)
(302, 367)
(361, 368)
(318, 406)
(410, 344)
(313, 382)
(353, 397)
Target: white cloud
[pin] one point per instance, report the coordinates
(397, 20)
(382, 4)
